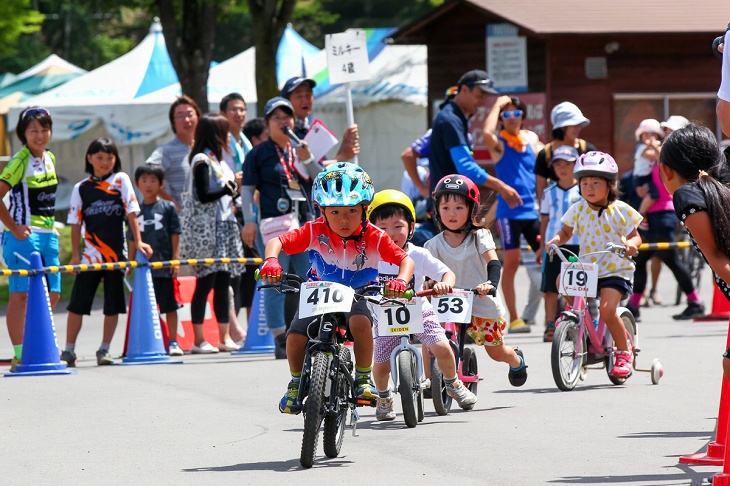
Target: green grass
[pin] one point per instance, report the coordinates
(67, 279)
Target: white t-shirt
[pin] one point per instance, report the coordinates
(724, 91)
(468, 265)
(617, 221)
(642, 165)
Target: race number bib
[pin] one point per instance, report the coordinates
(454, 307)
(317, 298)
(578, 279)
(395, 318)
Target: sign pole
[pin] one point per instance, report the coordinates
(350, 113)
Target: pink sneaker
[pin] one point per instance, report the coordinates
(622, 366)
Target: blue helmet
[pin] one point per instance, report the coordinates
(342, 184)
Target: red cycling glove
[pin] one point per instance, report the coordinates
(397, 285)
(271, 268)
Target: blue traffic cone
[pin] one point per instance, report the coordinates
(259, 339)
(145, 345)
(40, 350)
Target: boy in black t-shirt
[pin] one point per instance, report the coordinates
(160, 228)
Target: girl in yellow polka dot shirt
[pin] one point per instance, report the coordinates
(598, 219)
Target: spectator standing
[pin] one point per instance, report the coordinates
(273, 169)
(567, 121)
(184, 114)
(30, 178)
(513, 151)
(255, 131)
(298, 90)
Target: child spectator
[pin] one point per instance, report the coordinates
(470, 252)
(556, 199)
(100, 203)
(344, 248)
(393, 212)
(159, 226)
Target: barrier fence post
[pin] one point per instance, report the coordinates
(145, 345)
(40, 349)
(716, 449)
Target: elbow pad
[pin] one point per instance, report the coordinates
(494, 269)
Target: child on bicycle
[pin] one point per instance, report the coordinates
(693, 169)
(556, 199)
(393, 212)
(344, 248)
(469, 251)
(600, 218)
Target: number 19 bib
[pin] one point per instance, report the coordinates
(578, 279)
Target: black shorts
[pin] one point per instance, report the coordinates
(551, 269)
(84, 289)
(511, 229)
(165, 294)
(303, 327)
(616, 283)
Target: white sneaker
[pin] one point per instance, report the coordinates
(463, 396)
(385, 411)
(204, 348)
(173, 349)
(228, 346)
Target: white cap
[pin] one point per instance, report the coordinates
(566, 114)
(675, 122)
(649, 125)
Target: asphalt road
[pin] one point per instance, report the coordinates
(213, 420)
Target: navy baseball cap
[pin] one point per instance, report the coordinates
(477, 77)
(277, 102)
(292, 83)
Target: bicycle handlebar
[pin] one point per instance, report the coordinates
(284, 287)
(619, 250)
(430, 292)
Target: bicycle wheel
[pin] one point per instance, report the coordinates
(469, 368)
(419, 404)
(313, 409)
(408, 387)
(566, 357)
(630, 325)
(441, 399)
(334, 424)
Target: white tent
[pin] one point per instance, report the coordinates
(129, 99)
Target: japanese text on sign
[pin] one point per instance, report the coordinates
(347, 56)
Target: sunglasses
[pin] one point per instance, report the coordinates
(35, 111)
(511, 114)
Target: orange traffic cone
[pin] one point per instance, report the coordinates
(716, 450)
(40, 350)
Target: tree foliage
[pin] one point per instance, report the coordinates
(17, 19)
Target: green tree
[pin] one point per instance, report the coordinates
(17, 19)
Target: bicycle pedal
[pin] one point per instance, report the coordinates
(354, 417)
(365, 402)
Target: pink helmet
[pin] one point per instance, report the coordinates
(596, 164)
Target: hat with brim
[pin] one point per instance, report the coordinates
(564, 152)
(674, 122)
(278, 102)
(292, 84)
(480, 79)
(566, 114)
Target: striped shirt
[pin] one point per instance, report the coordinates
(555, 203)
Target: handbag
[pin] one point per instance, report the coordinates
(197, 225)
(278, 225)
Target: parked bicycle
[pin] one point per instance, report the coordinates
(577, 342)
(326, 393)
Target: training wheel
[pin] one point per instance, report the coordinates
(657, 371)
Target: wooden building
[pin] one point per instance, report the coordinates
(620, 61)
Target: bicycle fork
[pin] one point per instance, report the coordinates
(405, 346)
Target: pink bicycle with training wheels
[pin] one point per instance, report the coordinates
(577, 342)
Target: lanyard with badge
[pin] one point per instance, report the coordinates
(294, 189)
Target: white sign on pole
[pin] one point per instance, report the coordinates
(347, 56)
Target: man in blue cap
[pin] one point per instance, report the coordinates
(298, 90)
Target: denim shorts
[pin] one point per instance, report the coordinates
(45, 243)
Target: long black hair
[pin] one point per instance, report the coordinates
(694, 154)
(212, 134)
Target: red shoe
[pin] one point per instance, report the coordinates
(622, 366)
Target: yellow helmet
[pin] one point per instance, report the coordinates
(391, 196)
